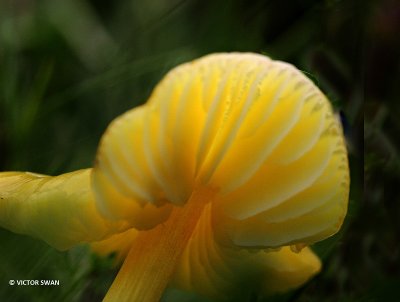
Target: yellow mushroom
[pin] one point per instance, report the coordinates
(234, 165)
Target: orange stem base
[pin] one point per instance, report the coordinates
(153, 256)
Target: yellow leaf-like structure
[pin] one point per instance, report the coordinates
(59, 210)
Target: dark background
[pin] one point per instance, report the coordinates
(68, 67)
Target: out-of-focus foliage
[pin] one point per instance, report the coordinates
(68, 67)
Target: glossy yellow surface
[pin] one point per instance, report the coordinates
(59, 210)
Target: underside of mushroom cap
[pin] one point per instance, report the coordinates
(256, 130)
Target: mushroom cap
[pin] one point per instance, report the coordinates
(256, 130)
(254, 133)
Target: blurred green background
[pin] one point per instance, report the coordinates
(68, 67)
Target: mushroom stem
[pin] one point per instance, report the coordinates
(153, 256)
